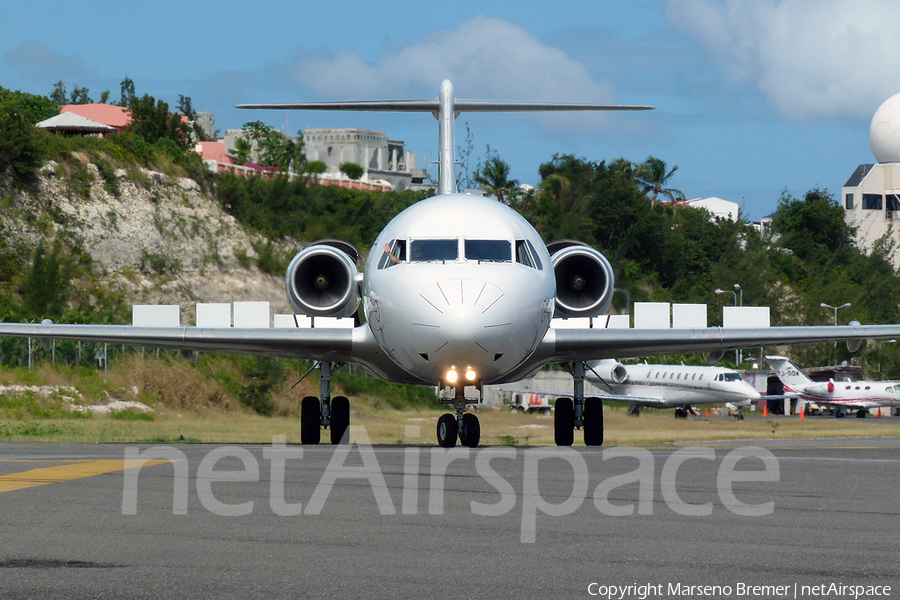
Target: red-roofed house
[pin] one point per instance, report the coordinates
(108, 114)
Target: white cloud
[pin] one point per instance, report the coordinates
(810, 58)
(485, 58)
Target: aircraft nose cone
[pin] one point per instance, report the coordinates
(461, 320)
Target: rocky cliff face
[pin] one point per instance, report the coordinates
(160, 239)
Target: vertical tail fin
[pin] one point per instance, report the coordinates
(788, 373)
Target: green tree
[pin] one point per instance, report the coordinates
(126, 87)
(352, 170)
(242, 151)
(58, 95)
(152, 121)
(35, 108)
(21, 145)
(80, 95)
(47, 287)
(652, 177)
(104, 96)
(494, 179)
(316, 168)
(812, 228)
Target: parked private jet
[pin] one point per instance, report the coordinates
(467, 302)
(843, 396)
(670, 386)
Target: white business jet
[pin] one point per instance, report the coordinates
(462, 297)
(670, 386)
(842, 396)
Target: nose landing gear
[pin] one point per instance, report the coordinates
(462, 426)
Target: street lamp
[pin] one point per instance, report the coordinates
(721, 291)
(835, 309)
(737, 353)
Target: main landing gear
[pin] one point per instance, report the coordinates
(463, 426)
(331, 413)
(578, 413)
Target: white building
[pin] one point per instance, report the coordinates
(722, 209)
(871, 196)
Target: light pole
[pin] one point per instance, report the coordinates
(737, 355)
(835, 309)
(721, 291)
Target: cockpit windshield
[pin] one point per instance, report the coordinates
(433, 250)
(489, 250)
(729, 377)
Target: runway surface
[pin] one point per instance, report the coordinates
(398, 522)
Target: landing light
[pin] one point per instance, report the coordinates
(470, 375)
(451, 376)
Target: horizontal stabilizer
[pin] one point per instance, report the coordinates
(434, 105)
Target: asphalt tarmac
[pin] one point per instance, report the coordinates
(420, 522)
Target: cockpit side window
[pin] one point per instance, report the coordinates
(527, 255)
(398, 251)
(433, 250)
(488, 250)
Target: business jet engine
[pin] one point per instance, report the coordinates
(323, 281)
(610, 371)
(584, 279)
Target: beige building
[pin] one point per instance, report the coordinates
(871, 196)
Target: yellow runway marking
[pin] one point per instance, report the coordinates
(69, 472)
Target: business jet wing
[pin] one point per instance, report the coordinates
(639, 400)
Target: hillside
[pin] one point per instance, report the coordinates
(152, 237)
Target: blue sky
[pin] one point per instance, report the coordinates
(753, 97)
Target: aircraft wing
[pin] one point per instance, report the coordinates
(331, 344)
(566, 345)
(315, 344)
(639, 400)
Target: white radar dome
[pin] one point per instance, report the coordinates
(884, 132)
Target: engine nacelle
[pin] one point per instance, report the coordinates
(612, 370)
(584, 280)
(714, 356)
(853, 345)
(322, 280)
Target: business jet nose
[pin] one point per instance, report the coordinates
(462, 322)
(752, 394)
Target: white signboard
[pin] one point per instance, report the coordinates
(745, 317)
(651, 315)
(688, 316)
(251, 315)
(292, 321)
(214, 315)
(156, 315)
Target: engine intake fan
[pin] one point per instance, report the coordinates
(584, 280)
(322, 280)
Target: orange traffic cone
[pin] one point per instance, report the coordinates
(879, 412)
(765, 409)
(801, 413)
(707, 412)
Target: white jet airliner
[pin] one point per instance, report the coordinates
(839, 395)
(463, 298)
